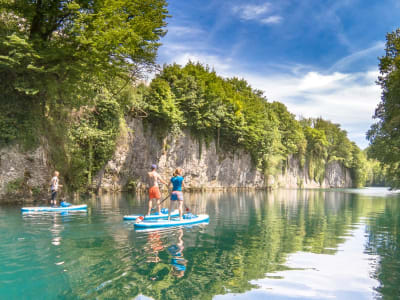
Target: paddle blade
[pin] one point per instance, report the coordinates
(139, 219)
(187, 209)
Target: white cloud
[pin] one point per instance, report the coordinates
(316, 81)
(222, 65)
(350, 59)
(179, 31)
(271, 20)
(251, 12)
(259, 13)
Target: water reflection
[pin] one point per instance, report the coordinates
(282, 244)
(178, 262)
(153, 247)
(345, 275)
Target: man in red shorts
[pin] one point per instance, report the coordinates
(154, 190)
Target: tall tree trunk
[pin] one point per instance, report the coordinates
(37, 20)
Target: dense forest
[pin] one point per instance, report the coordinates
(70, 73)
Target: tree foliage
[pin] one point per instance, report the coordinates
(67, 70)
(48, 47)
(384, 135)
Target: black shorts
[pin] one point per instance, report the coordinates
(53, 195)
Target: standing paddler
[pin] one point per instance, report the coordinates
(154, 190)
(177, 195)
(54, 185)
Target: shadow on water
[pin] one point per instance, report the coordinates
(251, 236)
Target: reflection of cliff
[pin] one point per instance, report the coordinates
(205, 166)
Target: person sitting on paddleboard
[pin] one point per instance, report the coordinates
(177, 195)
(54, 185)
(154, 190)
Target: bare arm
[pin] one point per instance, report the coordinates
(162, 180)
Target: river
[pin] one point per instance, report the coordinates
(285, 244)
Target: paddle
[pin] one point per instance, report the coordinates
(141, 218)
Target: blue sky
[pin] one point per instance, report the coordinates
(318, 57)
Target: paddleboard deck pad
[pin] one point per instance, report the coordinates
(172, 222)
(154, 216)
(58, 208)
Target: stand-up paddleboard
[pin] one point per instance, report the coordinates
(58, 208)
(172, 222)
(154, 216)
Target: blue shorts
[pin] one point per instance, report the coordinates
(177, 195)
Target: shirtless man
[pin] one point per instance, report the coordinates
(154, 191)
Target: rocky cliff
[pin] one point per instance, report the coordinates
(26, 174)
(23, 174)
(204, 166)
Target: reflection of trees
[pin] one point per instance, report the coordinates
(249, 235)
(255, 235)
(384, 240)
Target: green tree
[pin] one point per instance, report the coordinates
(65, 52)
(68, 67)
(384, 135)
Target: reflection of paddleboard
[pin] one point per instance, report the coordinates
(49, 208)
(162, 215)
(172, 222)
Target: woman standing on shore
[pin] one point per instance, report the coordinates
(177, 195)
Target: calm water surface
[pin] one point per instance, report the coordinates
(288, 244)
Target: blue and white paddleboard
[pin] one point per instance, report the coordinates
(155, 216)
(172, 222)
(49, 208)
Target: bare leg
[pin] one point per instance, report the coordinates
(159, 206)
(150, 204)
(180, 209)
(170, 209)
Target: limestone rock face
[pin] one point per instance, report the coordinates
(23, 172)
(204, 166)
(336, 176)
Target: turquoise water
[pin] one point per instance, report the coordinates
(286, 244)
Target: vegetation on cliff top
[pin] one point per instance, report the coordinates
(68, 69)
(233, 114)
